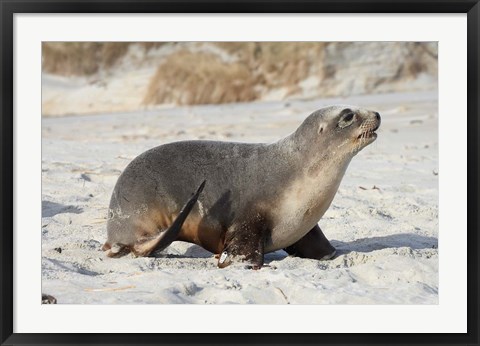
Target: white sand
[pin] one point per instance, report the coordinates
(383, 220)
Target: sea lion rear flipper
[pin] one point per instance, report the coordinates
(164, 239)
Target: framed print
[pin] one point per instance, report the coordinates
(262, 172)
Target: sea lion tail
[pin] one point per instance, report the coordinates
(172, 232)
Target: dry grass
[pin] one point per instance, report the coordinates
(423, 57)
(200, 78)
(278, 63)
(69, 58)
(85, 58)
(205, 76)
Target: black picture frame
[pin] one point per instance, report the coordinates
(9, 7)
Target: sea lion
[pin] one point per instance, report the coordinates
(259, 197)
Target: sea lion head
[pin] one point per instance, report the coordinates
(342, 130)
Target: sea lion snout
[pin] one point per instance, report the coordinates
(378, 119)
(366, 130)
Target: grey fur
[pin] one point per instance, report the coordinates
(281, 189)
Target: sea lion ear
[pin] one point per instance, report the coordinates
(320, 128)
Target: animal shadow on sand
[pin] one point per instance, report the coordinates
(194, 251)
(410, 240)
(50, 209)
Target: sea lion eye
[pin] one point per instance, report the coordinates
(348, 117)
(346, 120)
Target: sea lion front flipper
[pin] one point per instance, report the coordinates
(313, 245)
(245, 242)
(144, 247)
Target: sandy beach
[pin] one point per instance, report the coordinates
(383, 220)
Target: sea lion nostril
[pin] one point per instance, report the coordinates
(377, 115)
